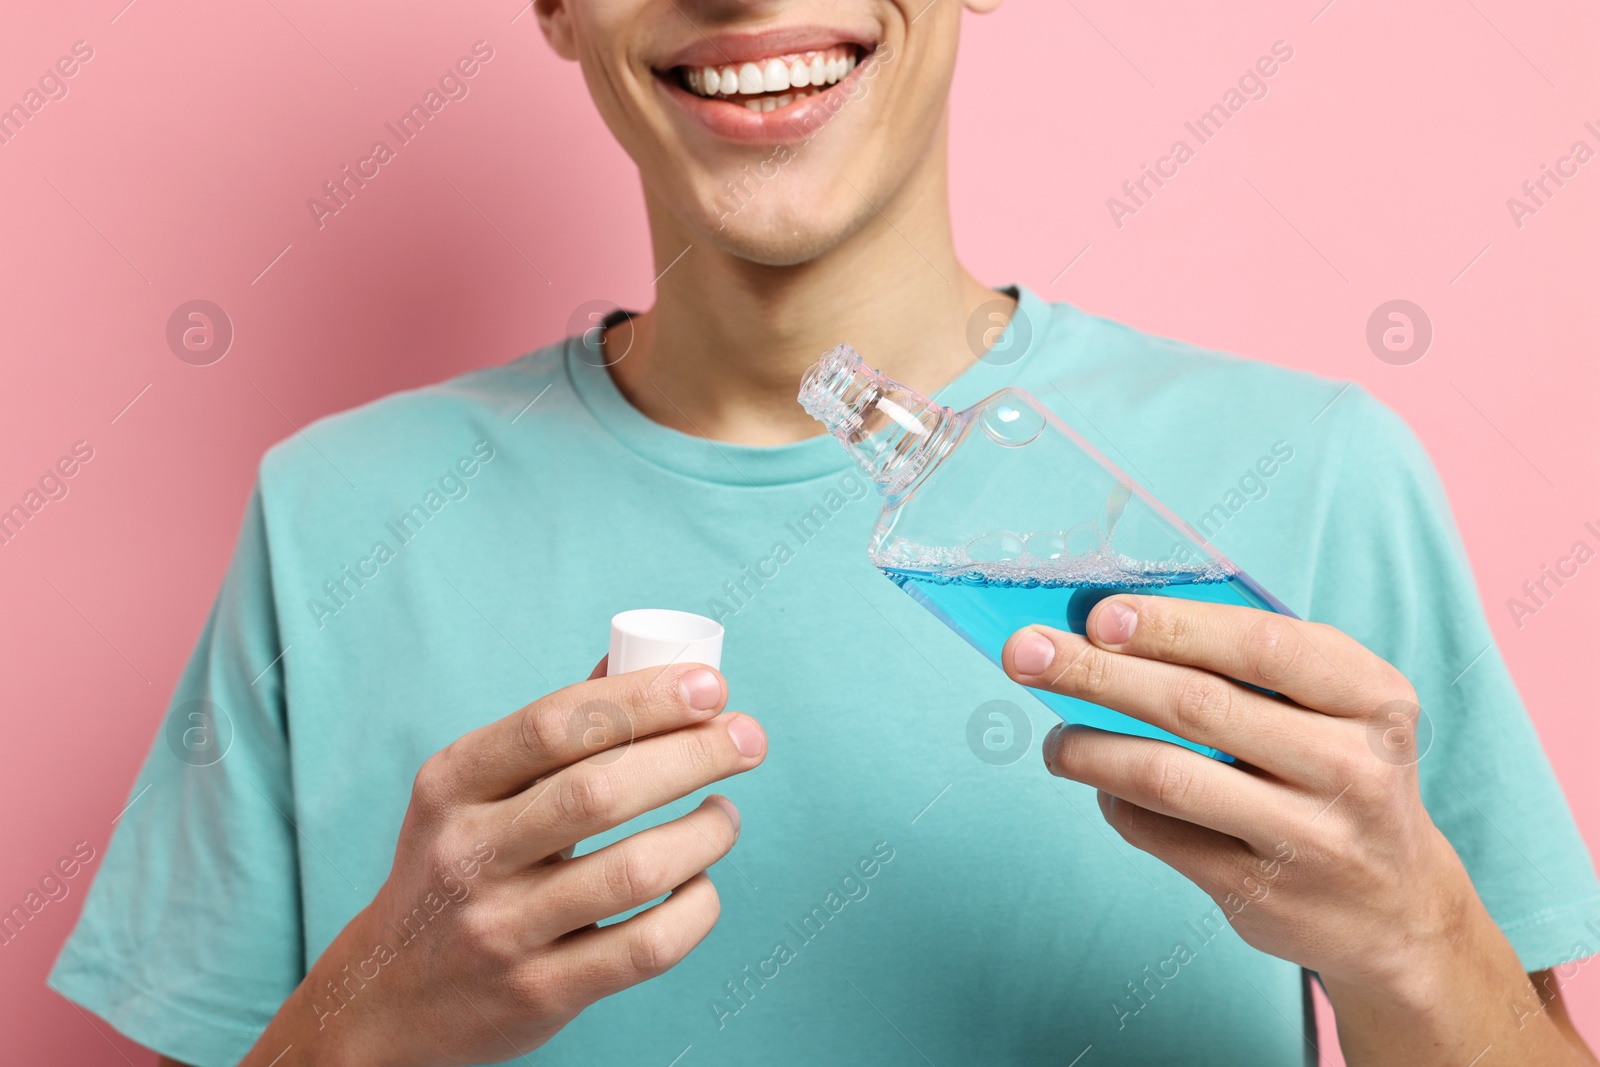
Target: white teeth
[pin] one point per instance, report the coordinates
(813, 69)
(776, 76)
(772, 103)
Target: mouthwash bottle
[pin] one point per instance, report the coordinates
(1001, 516)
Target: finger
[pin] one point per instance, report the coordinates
(1197, 705)
(609, 959)
(604, 791)
(600, 668)
(1216, 862)
(502, 758)
(1172, 781)
(1314, 665)
(633, 871)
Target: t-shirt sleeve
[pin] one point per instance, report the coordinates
(190, 937)
(1391, 572)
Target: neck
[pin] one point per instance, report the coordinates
(722, 352)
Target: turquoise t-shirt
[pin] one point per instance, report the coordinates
(418, 567)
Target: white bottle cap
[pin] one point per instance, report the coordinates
(657, 637)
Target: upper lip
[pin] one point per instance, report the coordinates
(734, 48)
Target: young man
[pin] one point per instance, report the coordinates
(294, 890)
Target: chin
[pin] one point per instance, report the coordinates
(783, 231)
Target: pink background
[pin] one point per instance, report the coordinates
(179, 165)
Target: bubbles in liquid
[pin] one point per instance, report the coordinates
(1083, 539)
(1046, 558)
(999, 547)
(1011, 425)
(1047, 545)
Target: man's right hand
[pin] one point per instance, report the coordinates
(484, 942)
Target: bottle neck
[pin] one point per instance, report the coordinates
(893, 432)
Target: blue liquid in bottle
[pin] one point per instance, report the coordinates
(987, 609)
(1000, 516)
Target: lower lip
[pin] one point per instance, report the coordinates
(733, 121)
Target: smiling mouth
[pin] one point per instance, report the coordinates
(772, 82)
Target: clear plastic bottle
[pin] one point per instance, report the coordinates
(1001, 515)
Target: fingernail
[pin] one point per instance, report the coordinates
(700, 690)
(1033, 653)
(1114, 625)
(747, 736)
(732, 812)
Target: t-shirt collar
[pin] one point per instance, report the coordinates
(768, 465)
